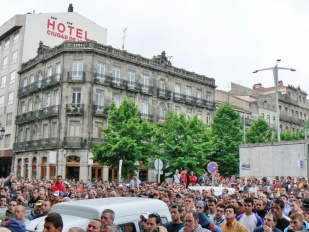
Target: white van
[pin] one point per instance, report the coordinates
(127, 212)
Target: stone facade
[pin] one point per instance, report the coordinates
(65, 93)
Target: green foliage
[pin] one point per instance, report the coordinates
(289, 136)
(184, 143)
(129, 139)
(227, 135)
(259, 132)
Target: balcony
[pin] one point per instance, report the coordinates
(163, 93)
(118, 83)
(47, 112)
(102, 79)
(101, 111)
(40, 144)
(74, 109)
(146, 89)
(72, 142)
(290, 119)
(133, 86)
(76, 76)
(179, 97)
(98, 140)
(50, 81)
(148, 117)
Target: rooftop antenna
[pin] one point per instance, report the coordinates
(124, 36)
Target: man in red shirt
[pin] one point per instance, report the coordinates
(59, 186)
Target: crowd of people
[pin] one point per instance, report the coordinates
(279, 204)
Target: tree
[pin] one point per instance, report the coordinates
(259, 132)
(227, 135)
(128, 139)
(289, 136)
(184, 143)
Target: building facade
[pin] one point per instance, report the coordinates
(61, 112)
(19, 38)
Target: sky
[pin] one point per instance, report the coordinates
(222, 39)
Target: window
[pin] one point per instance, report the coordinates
(45, 131)
(11, 98)
(5, 62)
(177, 110)
(162, 111)
(76, 96)
(7, 140)
(30, 105)
(199, 93)
(292, 111)
(49, 72)
(177, 91)
(286, 110)
(74, 129)
(47, 100)
(53, 129)
(77, 73)
(300, 115)
(99, 97)
(25, 82)
(262, 115)
(145, 83)
(9, 119)
(16, 37)
(98, 129)
(14, 57)
(131, 79)
(40, 76)
(31, 79)
(189, 93)
(116, 99)
(297, 114)
(3, 81)
(6, 43)
(12, 77)
(144, 107)
(208, 119)
(1, 101)
(189, 113)
(58, 71)
(100, 70)
(208, 96)
(56, 97)
(20, 135)
(116, 75)
(23, 107)
(199, 114)
(27, 134)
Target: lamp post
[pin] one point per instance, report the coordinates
(275, 73)
(2, 130)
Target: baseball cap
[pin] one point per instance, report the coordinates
(39, 202)
(56, 193)
(180, 195)
(306, 204)
(14, 225)
(241, 202)
(79, 190)
(144, 215)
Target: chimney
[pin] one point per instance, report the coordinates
(257, 86)
(280, 83)
(70, 8)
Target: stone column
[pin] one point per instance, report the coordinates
(47, 172)
(38, 171)
(22, 168)
(105, 173)
(30, 168)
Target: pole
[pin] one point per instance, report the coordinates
(158, 172)
(244, 128)
(275, 71)
(120, 167)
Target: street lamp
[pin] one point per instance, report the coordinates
(2, 130)
(275, 73)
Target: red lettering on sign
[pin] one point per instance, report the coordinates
(49, 23)
(61, 27)
(71, 29)
(86, 36)
(79, 33)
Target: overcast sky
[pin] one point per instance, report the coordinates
(223, 39)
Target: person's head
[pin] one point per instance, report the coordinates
(201, 206)
(207, 193)
(230, 212)
(294, 206)
(190, 201)
(296, 222)
(46, 207)
(76, 229)
(20, 212)
(53, 223)
(91, 194)
(12, 206)
(108, 216)
(110, 228)
(248, 204)
(3, 201)
(94, 225)
(234, 201)
(59, 179)
(175, 213)
(153, 222)
(42, 194)
(220, 211)
(144, 218)
(192, 220)
(260, 205)
(284, 198)
(212, 202)
(277, 207)
(167, 201)
(35, 193)
(270, 220)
